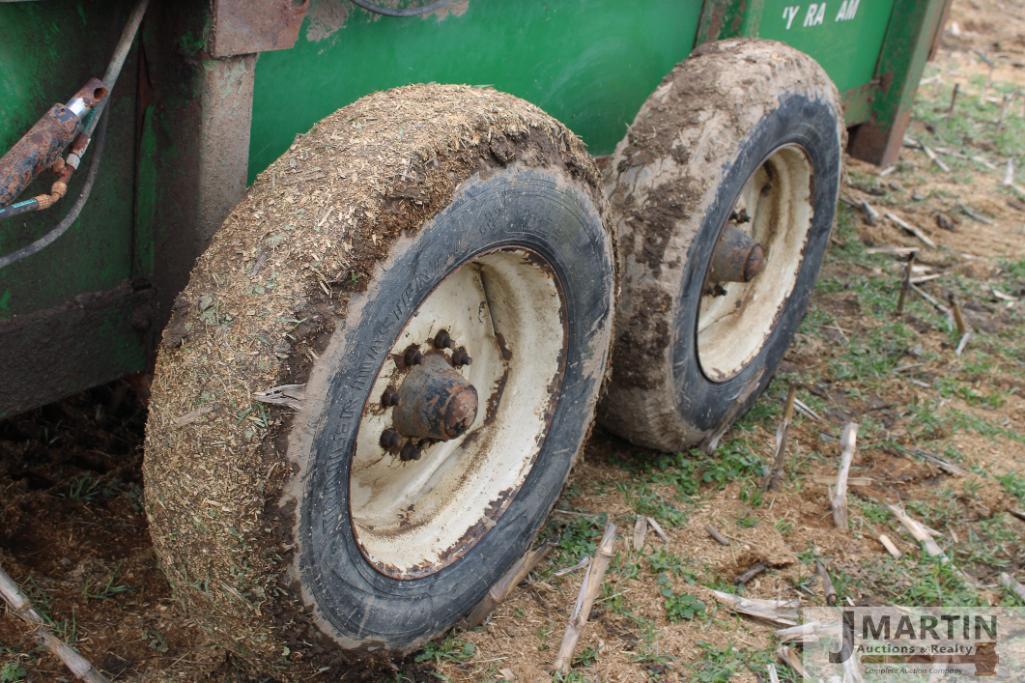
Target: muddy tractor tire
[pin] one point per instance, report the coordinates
(373, 388)
(722, 198)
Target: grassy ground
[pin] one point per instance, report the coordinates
(855, 359)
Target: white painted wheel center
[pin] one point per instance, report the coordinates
(412, 518)
(736, 320)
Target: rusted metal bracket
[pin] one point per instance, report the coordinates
(244, 27)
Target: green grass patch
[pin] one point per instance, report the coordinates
(975, 119)
(662, 561)
(575, 536)
(920, 581)
(720, 664)
(990, 543)
(1014, 484)
(106, 588)
(964, 421)
(873, 356)
(451, 649)
(679, 606)
(688, 472)
(650, 503)
(12, 672)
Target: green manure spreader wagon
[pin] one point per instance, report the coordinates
(387, 262)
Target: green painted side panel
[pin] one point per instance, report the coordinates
(589, 63)
(845, 36)
(147, 181)
(906, 50)
(857, 104)
(47, 52)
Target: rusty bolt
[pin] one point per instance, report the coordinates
(410, 452)
(443, 340)
(460, 357)
(390, 439)
(390, 397)
(412, 356)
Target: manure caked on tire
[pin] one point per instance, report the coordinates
(722, 197)
(380, 373)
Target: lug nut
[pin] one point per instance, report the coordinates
(410, 452)
(412, 356)
(390, 397)
(390, 439)
(460, 357)
(443, 340)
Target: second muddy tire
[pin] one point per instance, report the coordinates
(745, 134)
(430, 236)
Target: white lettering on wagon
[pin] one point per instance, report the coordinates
(848, 10)
(789, 14)
(815, 13)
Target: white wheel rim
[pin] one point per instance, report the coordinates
(413, 518)
(733, 327)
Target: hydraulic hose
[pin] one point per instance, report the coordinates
(110, 77)
(73, 213)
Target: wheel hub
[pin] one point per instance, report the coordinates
(737, 257)
(755, 263)
(435, 402)
(457, 413)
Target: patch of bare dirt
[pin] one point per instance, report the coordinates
(74, 536)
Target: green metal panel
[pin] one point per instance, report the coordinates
(844, 36)
(589, 63)
(48, 50)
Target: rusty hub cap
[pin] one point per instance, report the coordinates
(435, 402)
(457, 413)
(737, 257)
(755, 264)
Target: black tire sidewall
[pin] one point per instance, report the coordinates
(538, 210)
(799, 120)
